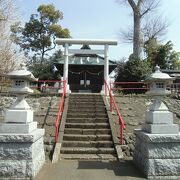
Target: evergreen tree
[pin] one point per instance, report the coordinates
(162, 55)
(38, 35)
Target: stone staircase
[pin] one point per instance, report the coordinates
(87, 133)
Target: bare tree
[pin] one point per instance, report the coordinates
(151, 28)
(140, 8)
(9, 58)
(8, 55)
(154, 28)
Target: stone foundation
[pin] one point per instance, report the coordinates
(21, 155)
(158, 155)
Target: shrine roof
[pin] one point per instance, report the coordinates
(91, 59)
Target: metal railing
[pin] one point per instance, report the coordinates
(174, 88)
(129, 86)
(46, 86)
(140, 87)
(108, 90)
(60, 110)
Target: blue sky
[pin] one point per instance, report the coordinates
(103, 19)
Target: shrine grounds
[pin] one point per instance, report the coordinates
(132, 108)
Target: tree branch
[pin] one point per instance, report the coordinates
(148, 5)
(145, 12)
(155, 28)
(133, 5)
(126, 36)
(139, 3)
(54, 42)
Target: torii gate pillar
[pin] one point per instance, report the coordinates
(65, 71)
(106, 68)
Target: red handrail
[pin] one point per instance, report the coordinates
(113, 102)
(60, 110)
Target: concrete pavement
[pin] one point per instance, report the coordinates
(89, 170)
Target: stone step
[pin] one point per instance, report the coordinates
(92, 157)
(87, 120)
(85, 97)
(86, 131)
(87, 125)
(88, 103)
(87, 111)
(85, 94)
(75, 137)
(87, 150)
(87, 144)
(86, 100)
(87, 115)
(86, 107)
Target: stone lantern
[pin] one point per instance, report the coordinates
(158, 83)
(21, 142)
(157, 145)
(20, 112)
(159, 119)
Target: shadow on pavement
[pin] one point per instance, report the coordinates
(120, 168)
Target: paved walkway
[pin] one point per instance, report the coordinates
(89, 170)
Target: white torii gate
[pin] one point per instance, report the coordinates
(66, 42)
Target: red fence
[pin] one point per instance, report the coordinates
(129, 86)
(46, 86)
(143, 87)
(108, 90)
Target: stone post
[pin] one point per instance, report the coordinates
(157, 146)
(21, 143)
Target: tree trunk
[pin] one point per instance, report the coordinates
(137, 35)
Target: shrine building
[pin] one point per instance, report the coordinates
(84, 69)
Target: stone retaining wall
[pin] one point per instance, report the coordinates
(45, 112)
(132, 110)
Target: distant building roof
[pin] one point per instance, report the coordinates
(172, 72)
